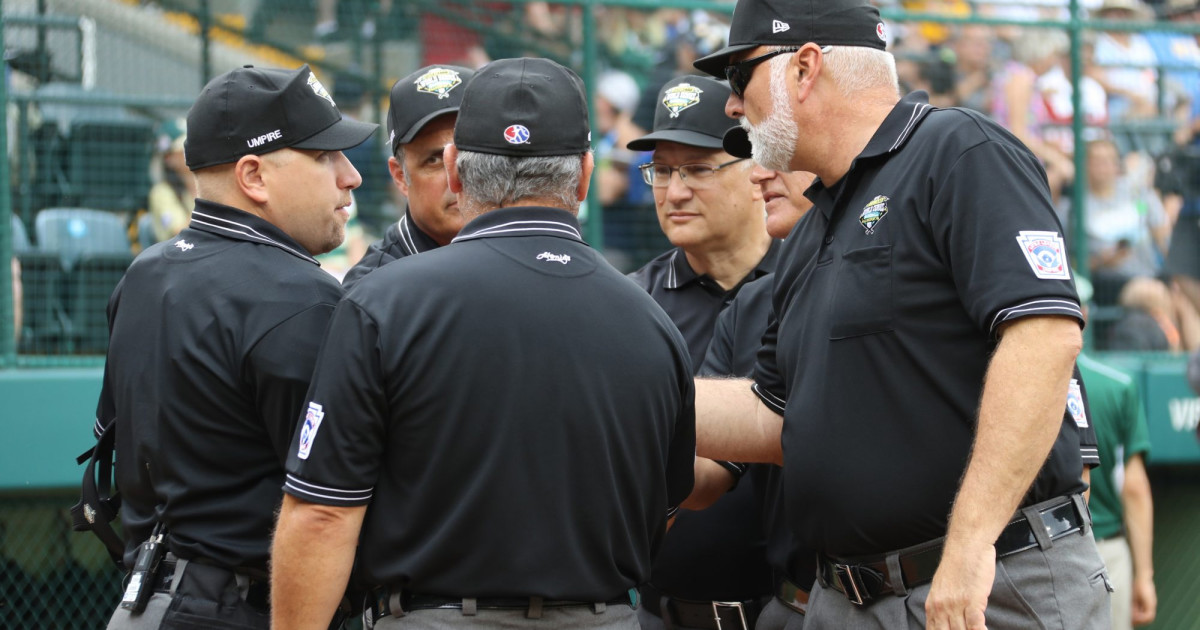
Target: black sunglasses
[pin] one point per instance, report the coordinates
(739, 73)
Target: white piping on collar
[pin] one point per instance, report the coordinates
(918, 110)
(406, 238)
(251, 233)
(503, 228)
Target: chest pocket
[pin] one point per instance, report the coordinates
(863, 294)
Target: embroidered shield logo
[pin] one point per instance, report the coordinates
(438, 81)
(681, 97)
(873, 213)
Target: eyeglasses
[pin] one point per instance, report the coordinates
(739, 73)
(692, 175)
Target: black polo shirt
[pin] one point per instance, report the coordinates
(521, 429)
(693, 300)
(718, 553)
(213, 338)
(402, 238)
(732, 352)
(888, 295)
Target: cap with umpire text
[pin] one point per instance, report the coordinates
(690, 110)
(526, 107)
(252, 111)
(796, 22)
(422, 96)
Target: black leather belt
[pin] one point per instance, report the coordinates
(704, 615)
(862, 580)
(258, 591)
(380, 603)
(792, 596)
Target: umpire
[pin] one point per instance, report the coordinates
(214, 334)
(923, 333)
(421, 114)
(521, 432)
(712, 570)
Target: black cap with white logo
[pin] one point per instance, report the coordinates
(690, 110)
(422, 96)
(797, 22)
(252, 111)
(526, 107)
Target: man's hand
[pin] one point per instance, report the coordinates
(958, 597)
(1145, 602)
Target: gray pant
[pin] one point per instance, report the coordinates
(616, 617)
(1064, 586)
(776, 616)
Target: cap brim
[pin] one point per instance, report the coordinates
(715, 63)
(737, 142)
(681, 136)
(416, 127)
(341, 135)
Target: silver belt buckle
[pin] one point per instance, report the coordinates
(716, 606)
(851, 590)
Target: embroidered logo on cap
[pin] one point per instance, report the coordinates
(1045, 252)
(1075, 404)
(558, 258)
(308, 433)
(873, 213)
(516, 134)
(319, 89)
(779, 27)
(881, 32)
(681, 97)
(438, 81)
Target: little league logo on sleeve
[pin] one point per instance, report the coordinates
(319, 89)
(438, 81)
(1046, 254)
(1075, 404)
(308, 433)
(681, 97)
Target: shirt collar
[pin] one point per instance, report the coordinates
(239, 225)
(680, 272)
(412, 239)
(522, 221)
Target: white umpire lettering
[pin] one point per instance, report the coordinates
(263, 139)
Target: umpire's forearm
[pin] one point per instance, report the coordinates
(311, 559)
(733, 425)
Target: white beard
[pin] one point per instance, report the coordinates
(773, 141)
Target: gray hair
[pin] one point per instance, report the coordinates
(495, 181)
(1034, 45)
(855, 69)
(403, 168)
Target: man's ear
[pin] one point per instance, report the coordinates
(804, 68)
(585, 180)
(248, 173)
(450, 159)
(397, 171)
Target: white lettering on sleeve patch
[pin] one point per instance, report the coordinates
(1075, 404)
(308, 433)
(1046, 253)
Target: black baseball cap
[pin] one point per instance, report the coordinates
(690, 110)
(796, 22)
(252, 111)
(524, 107)
(737, 142)
(422, 96)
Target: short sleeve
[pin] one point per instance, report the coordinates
(681, 456)
(993, 224)
(769, 385)
(336, 451)
(718, 360)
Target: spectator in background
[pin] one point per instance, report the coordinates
(1181, 50)
(18, 302)
(1121, 504)
(973, 67)
(1155, 319)
(172, 197)
(1018, 106)
(1125, 63)
(1127, 228)
(616, 99)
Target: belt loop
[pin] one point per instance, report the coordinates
(599, 608)
(897, 575)
(395, 604)
(1034, 518)
(470, 606)
(180, 565)
(1085, 515)
(535, 608)
(243, 585)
